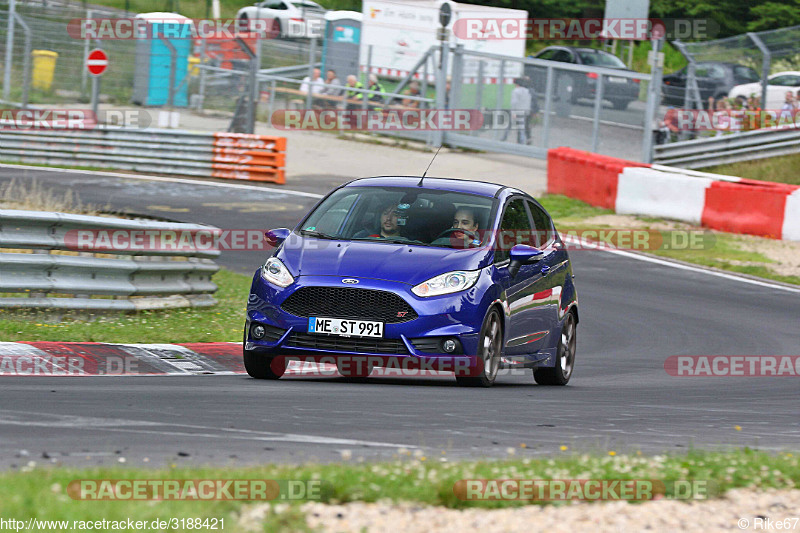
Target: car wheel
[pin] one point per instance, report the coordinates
(620, 104)
(262, 366)
(243, 23)
(276, 32)
(742, 101)
(489, 351)
(565, 357)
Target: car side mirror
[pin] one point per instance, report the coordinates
(522, 254)
(275, 237)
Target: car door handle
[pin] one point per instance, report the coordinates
(545, 270)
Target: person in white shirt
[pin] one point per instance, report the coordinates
(315, 84)
(520, 108)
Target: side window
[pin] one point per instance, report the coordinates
(331, 221)
(563, 56)
(542, 225)
(515, 228)
(547, 54)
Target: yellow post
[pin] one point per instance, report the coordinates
(44, 66)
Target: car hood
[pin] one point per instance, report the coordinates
(394, 262)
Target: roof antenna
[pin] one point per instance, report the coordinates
(429, 166)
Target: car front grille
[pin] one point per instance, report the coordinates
(346, 302)
(346, 344)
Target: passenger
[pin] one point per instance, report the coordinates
(389, 228)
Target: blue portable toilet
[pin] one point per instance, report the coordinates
(154, 60)
(340, 50)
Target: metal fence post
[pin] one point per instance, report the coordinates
(766, 62)
(441, 83)
(598, 105)
(255, 93)
(202, 89)
(498, 105)
(548, 104)
(479, 91)
(12, 6)
(365, 96)
(653, 100)
(84, 70)
(312, 56)
(26, 64)
(454, 97)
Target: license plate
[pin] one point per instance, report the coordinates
(617, 79)
(344, 327)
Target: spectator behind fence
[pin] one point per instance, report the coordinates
(413, 90)
(315, 84)
(520, 109)
(333, 87)
(377, 88)
(350, 94)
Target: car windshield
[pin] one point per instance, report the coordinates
(600, 59)
(412, 215)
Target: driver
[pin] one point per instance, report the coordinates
(465, 219)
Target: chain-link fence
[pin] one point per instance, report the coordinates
(715, 67)
(526, 105)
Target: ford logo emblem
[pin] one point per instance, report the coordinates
(350, 281)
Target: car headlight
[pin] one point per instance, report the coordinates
(275, 272)
(447, 283)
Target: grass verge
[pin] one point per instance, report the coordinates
(725, 251)
(221, 323)
(42, 492)
(783, 169)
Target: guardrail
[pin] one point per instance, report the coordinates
(59, 267)
(215, 155)
(730, 148)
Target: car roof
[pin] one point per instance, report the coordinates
(481, 188)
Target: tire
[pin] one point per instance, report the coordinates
(261, 366)
(277, 30)
(620, 104)
(560, 373)
(243, 24)
(490, 350)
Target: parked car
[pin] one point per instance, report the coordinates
(287, 16)
(618, 90)
(777, 86)
(714, 79)
(420, 271)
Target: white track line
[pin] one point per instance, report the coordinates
(680, 266)
(166, 179)
(629, 255)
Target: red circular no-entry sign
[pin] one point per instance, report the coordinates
(97, 62)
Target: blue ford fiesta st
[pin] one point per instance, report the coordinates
(424, 271)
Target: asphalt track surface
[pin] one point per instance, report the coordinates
(634, 314)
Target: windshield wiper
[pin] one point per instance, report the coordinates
(318, 234)
(404, 241)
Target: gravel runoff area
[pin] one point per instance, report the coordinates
(737, 510)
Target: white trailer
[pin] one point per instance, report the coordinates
(400, 32)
